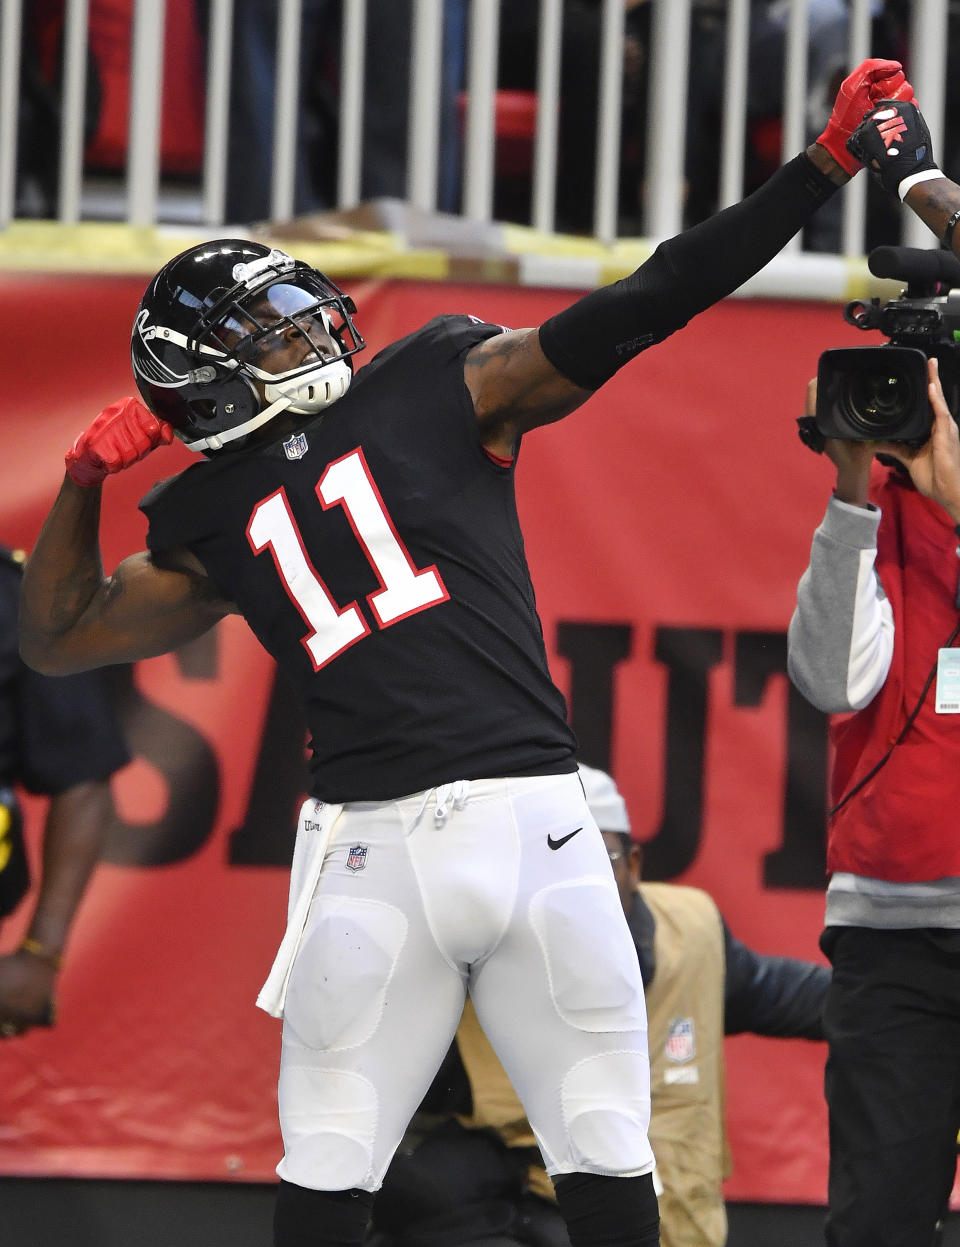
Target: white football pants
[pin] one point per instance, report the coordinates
(501, 887)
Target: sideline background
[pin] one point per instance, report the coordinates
(678, 497)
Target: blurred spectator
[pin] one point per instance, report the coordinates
(386, 96)
(38, 130)
(252, 100)
(470, 1170)
(59, 738)
(580, 78)
(107, 97)
(579, 93)
(828, 30)
(827, 60)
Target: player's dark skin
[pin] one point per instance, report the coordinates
(73, 617)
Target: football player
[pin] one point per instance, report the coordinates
(364, 524)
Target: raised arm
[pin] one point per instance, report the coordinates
(893, 141)
(72, 616)
(528, 378)
(840, 638)
(772, 995)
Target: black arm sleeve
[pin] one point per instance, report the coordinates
(594, 337)
(772, 995)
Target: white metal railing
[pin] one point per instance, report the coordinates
(142, 201)
(146, 86)
(669, 53)
(548, 113)
(217, 111)
(10, 27)
(481, 85)
(75, 86)
(425, 73)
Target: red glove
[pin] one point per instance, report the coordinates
(122, 433)
(873, 80)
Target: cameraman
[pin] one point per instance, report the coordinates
(876, 609)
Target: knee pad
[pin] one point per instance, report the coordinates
(591, 963)
(328, 1118)
(337, 984)
(606, 1109)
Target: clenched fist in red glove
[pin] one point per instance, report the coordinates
(873, 80)
(122, 433)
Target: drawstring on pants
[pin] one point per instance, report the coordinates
(446, 797)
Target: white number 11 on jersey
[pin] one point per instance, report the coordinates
(404, 588)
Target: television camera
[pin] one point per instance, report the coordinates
(879, 393)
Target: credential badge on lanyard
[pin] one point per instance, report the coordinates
(948, 681)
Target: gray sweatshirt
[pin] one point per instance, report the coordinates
(839, 647)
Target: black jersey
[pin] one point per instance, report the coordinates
(377, 555)
(55, 731)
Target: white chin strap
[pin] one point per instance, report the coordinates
(303, 395)
(310, 392)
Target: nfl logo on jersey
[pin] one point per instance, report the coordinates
(296, 446)
(680, 1045)
(357, 857)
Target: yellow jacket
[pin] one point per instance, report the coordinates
(685, 1005)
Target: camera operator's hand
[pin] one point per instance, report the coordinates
(852, 460)
(935, 466)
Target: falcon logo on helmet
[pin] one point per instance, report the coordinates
(231, 334)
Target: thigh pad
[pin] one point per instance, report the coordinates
(592, 966)
(342, 968)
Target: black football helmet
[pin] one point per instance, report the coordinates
(206, 328)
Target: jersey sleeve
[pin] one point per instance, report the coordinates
(182, 513)
(456, 333)
(175, 510)
(57, 731)
(765, 995)
(840, 639)
(70, 731)
(437, 344)
(443, 345)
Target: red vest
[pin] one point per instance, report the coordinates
(904, 824)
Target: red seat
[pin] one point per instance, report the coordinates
(182, 104)
(514, 127)
(765, 136)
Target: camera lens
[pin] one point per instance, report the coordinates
(879, 400)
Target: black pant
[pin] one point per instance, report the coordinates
(892, 1022)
